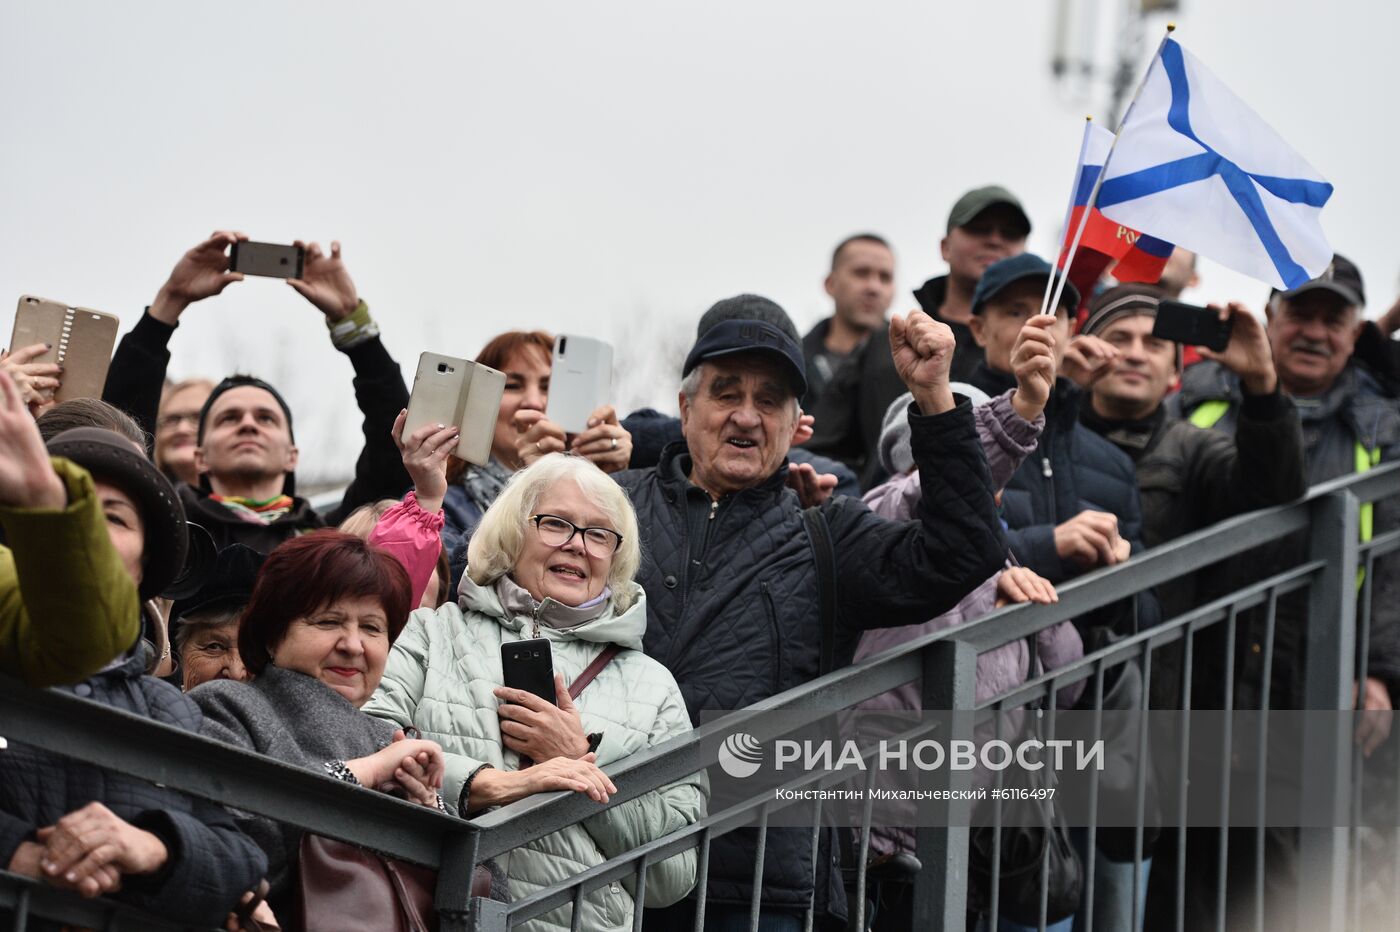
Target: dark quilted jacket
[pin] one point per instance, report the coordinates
(1073, 469)
(211, 862)
(736, 617)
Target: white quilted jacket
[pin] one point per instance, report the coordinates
(439, 679)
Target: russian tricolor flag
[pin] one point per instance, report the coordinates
(1138, 257)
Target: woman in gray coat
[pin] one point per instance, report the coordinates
(324, 611)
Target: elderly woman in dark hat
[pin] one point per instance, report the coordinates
(79, 827)
(204, 626)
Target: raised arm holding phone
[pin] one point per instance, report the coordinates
(246, 455)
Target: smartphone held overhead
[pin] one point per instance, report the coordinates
(580, 381)
(269, 260)
(80, 340)
(1192, 325)
(452, 391)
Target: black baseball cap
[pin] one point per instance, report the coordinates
(979, 199)
(1341, 277)
(1015, 269)
(750, 336)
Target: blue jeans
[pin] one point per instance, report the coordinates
(1113, 889)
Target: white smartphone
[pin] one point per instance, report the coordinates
(82, 342)
(580, 380)
(448, 390)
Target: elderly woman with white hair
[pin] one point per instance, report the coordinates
(553, 558)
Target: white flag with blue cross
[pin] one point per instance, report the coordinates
(1195, 166)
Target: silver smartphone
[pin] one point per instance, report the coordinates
(270, 260)
(580, 380)
(448, 390)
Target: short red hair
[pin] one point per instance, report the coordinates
(310, 572)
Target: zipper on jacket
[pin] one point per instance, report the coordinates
(1045, 469)
(695, 560)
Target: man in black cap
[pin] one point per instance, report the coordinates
(247, 456)
(734, 572)
(1349, 425)
(813, 475)
(986, 225)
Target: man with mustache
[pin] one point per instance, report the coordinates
(1348, 426)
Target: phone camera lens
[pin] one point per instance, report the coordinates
(442, 367)
(536, 655)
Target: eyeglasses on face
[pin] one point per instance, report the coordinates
(175, 419)
(555, 531)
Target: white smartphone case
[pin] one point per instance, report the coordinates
(448, 390)
(82, 342)
(580, 380)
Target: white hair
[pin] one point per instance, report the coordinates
(499, 538)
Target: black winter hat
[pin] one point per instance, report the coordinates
(115, 459)
(229, 582)
(748, 307)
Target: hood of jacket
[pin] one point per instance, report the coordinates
(625, 629)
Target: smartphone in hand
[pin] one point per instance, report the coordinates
(82, 341)
(529, 665)
(580, 381)
(266, 259)
(452, 391)
(1192, 325)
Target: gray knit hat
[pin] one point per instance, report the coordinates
(895, 454)
(748, 307)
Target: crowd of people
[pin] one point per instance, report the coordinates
(820, 499)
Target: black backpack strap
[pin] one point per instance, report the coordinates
(819, 536)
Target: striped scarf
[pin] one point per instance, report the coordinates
(256, 512)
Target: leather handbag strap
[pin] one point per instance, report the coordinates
(593, 669)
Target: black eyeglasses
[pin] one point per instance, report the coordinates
(555, 531)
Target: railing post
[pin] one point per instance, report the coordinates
(940, 889)
(458, 910)
(1329, 665)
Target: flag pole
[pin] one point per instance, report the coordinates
(1064, 227)
(1098, 182)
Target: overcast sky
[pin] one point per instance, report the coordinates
(597, 167)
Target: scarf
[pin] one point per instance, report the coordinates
(549, 613)
(256, 512)
(483, 484)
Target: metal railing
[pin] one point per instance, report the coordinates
(943, 663)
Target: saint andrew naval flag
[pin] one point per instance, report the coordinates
(1139, 258)
(1196, 166)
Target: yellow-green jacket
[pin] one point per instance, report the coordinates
(67, 605)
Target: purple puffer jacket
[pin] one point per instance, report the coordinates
(1007, 439)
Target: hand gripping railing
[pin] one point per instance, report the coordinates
(944, 662)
